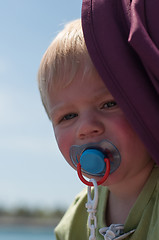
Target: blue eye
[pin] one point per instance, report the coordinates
(109, 104)
(69, 116)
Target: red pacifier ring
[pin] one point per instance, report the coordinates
(102, 180)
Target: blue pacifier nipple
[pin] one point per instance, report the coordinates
(92, 157)
(92, 160)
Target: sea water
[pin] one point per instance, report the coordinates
(26, 233)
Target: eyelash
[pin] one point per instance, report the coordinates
(69, 116)
(110, 104)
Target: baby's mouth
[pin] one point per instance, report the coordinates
(92, 156)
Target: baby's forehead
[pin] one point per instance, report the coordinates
(69, 72)
(84, 81)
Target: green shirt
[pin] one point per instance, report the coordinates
(144, 215)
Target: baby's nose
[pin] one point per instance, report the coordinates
(90, 127)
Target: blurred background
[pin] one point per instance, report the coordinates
(34, 177)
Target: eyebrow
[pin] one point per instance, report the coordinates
(57, 108)
(104, 91)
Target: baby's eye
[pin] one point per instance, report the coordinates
(69, 116)
(109, 104)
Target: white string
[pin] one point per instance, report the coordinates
(91, 206)
(114, 232)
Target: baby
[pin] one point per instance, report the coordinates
(83, 111)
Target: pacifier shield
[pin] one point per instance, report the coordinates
(91, 157)
(92, 161)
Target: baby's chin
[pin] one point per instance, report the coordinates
(88, 178)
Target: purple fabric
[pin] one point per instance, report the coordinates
(122, 38)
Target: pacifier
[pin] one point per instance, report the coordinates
(96, 159)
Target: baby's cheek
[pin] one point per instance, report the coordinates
(64, 147)
(122, 126)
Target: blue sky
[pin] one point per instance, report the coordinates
(32, 170)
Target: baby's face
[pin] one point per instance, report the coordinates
(85, 112)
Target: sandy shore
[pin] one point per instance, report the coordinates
(27, 221)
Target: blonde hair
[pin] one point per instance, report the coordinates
(62, 60)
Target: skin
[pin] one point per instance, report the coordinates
(84, 112)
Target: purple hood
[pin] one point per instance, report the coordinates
(122, 38)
